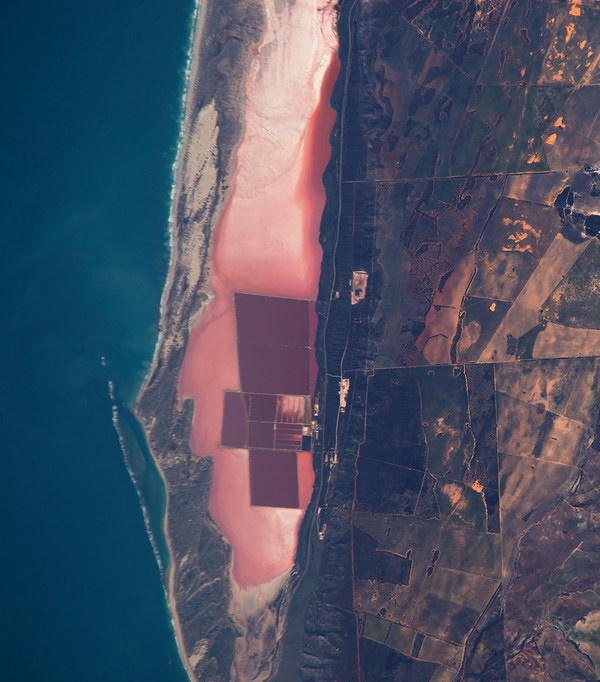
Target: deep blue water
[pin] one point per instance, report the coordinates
(89, 122)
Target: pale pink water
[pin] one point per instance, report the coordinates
(266, 242)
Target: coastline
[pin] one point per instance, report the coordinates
(195, 205)
(198, 26)
(199, 589)
(166, 572)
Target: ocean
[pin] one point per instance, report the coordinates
(90, 121)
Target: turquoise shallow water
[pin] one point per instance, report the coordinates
(91, 97)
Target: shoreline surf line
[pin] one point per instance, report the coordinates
(191, 69)
(197, 27)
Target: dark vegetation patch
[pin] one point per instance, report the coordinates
(511, 59)
(418, 246)
(484, 654)
(445, 420)
(378, 662)
(526, 343)
(371, 564)
(483, 467)
(383, 488)
(336, 584)
(394, 433)
(427, 506)
(330, 649)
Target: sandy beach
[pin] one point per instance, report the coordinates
(182, 167)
